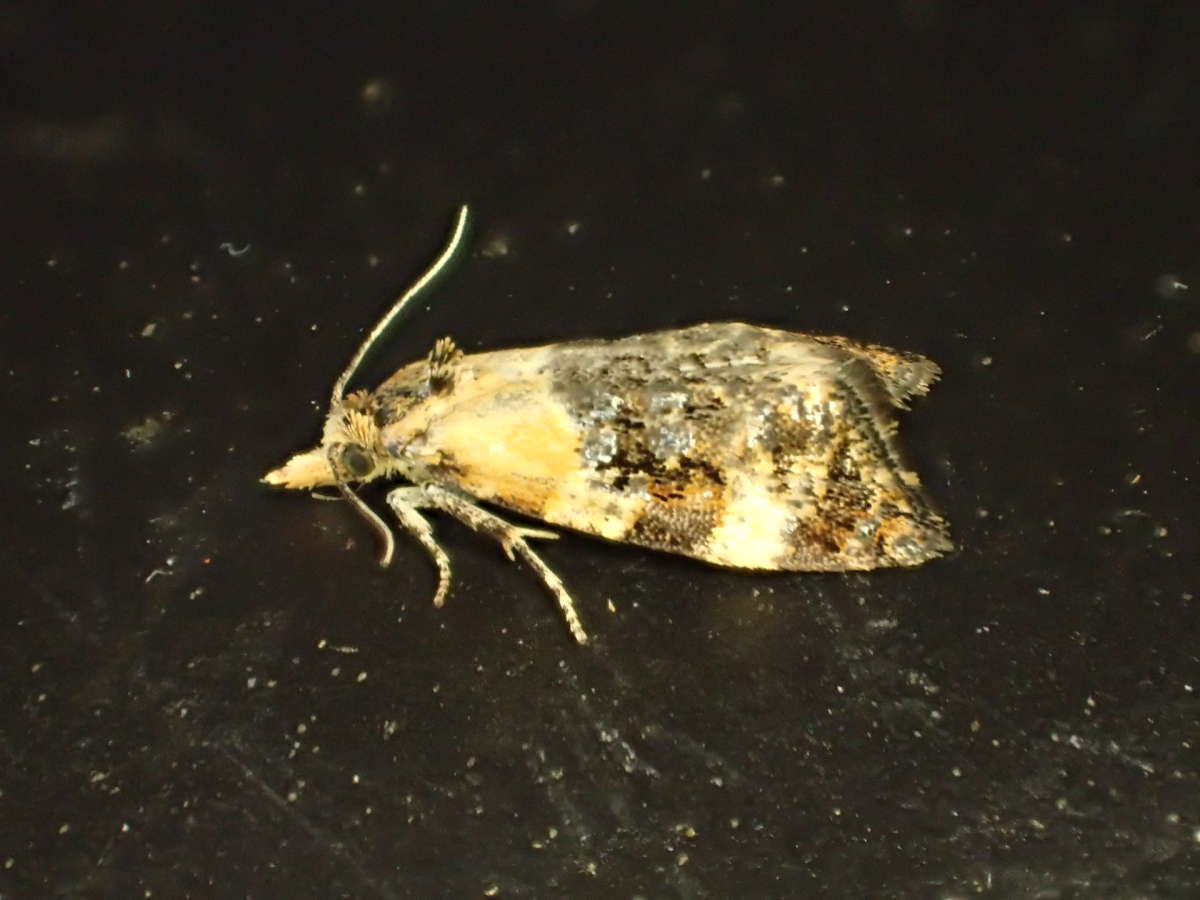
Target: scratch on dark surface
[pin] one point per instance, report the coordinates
(623, 753)
(336, 848)
(688, 745)
(550, 777)
(615, 746)
(63, 612)
(1105, 747)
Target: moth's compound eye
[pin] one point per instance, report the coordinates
(357, 461)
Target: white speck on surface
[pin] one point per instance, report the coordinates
(1168, 286)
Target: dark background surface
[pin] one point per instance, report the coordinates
(210, 690)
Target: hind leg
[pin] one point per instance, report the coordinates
(406, 501)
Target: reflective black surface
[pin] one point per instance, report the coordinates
(212, 691)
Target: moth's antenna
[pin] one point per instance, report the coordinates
(339, 386)
(385, 533)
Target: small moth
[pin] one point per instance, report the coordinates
(742, 446)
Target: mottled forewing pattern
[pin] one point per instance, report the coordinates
(748, 447)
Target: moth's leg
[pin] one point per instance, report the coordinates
(511, 537)
(405, 502)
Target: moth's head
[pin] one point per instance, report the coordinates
(349, 451)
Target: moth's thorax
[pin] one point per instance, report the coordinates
(404, 407)
(493, 428)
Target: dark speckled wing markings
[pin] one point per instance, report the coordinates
(748, 447)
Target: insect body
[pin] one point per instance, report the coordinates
(739, 445)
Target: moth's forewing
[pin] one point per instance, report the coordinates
(738, 445)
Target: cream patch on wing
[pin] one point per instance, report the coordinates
(751, 531)
(585, 505)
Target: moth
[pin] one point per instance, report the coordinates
(739, 445)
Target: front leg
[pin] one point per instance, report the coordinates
(511, 537)
(401, 500)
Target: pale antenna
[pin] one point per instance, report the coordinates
(339, 386)
(460, 227)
